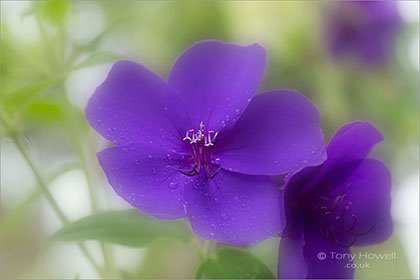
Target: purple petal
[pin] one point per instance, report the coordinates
(291, 261)
(352, 142)
(142, 177)
(330, 267)
(130, 107)
(234, 208)
(216, 79)
(347, 149)
(291, 192)
(277, 134)
(368, 189)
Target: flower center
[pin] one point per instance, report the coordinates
(201, 143)
(331, 212)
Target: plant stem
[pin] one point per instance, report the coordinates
(43, 186)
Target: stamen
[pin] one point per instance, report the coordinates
(201, 143)
(331, 211)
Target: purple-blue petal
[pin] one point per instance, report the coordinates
(134, 105)
(145, 177)
(321, 257)
(216, 79)
(278, 133)
(234, 208)
(348, 147)
(368, 189)
(363, 29)
(291, 261)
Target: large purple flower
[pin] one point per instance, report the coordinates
(200, 145)
(363, 30)
(341, 203)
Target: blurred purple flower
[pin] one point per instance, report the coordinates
(201, 145)
(343, 202)
(363, 29)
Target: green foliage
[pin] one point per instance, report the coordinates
(397, 268)
(233, 264)
(98, 58)
(128, 227)
(53, 11)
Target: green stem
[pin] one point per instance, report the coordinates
(43, 186)
(199, 248)
(77, 140)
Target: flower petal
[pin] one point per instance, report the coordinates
(321, 257)
(216, 79)
(369, 190)
(291, 192)
(277, 134)
(347, 149)
(142, 177)
(234, 208)
(351, 142)
(132, 106)
(291, 262)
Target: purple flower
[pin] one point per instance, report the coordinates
(200, 145)
(363, 29)
(341, 203)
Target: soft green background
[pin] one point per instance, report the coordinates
(53, 55)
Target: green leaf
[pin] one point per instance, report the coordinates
(53, 11)
(233, 264)
(375, 267)
(127, 227)
(98, 58)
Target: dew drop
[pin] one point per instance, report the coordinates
(313, 152)
(237, 111)
(173, 185)
(224, 216)
(150, 156)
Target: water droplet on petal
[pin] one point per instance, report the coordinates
(173, 185)
(150, 156)
(313, 152)
(237, 111)
(224, 216)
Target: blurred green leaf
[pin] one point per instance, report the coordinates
(53, 11)
(98, 58)
(377, 268)
(46, 111)
(233, 264)
(127, 227)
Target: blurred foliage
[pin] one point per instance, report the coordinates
(128, 227)
(233, 264)
(35, 99)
